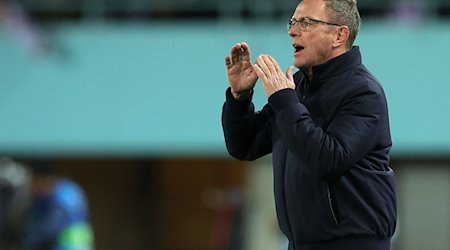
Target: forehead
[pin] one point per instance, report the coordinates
(310, 8)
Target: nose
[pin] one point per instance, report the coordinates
(294, 31)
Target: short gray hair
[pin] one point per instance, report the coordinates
(345, 12)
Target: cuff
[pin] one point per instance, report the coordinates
(283, 99)
(238, 106)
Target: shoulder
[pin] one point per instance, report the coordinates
(364, 80)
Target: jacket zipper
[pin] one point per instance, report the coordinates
(301, 89)
(305, 90)
(330, 204)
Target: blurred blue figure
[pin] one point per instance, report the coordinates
(58, 219)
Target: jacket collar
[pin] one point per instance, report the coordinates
(337, 65)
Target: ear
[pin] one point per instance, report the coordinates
(341, 37)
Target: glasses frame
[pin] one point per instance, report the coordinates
(308, 21)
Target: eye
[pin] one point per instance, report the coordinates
(303, 22)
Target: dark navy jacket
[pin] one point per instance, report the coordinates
(330, 142)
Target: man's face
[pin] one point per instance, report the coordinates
(313, 46)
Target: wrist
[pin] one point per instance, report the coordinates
(241, 95)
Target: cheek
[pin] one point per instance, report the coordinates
(319, 51)
(311, 54)
(322, 53)
(315, 52)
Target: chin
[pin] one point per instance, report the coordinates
(298, 64)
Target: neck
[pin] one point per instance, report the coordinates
(308, 71)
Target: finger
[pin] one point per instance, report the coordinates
(270, 65)
(289, 73)
(259, 72)
(246, 51)
(228, 62)
(262, 64)
(276, 64)
(235, 53)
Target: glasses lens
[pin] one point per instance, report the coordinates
(289, 24)
(304, 24)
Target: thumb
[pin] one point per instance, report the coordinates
(289, 74)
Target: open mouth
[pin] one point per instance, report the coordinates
(297, 48)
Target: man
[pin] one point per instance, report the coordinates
(59, 216)
(327, 128)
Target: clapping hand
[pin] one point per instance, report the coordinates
(241, 75)
(269, 71)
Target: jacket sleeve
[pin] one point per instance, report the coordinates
(348, 138)
(247, 134)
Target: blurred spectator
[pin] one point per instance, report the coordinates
(408, 11)
(227, 225)
(166, 9)
(19, 26)
(14, 201)
(58, 218)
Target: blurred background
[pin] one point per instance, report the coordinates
(124, 97)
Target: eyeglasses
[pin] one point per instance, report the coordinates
(304, 23)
